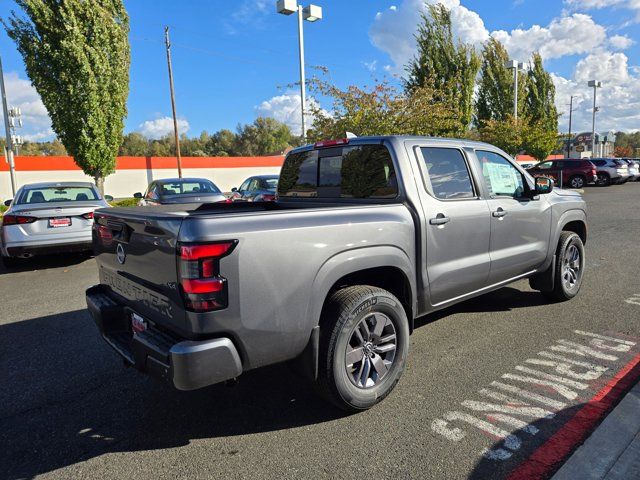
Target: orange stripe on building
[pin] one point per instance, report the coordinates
(46, 163)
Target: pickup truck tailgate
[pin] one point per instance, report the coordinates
(136, 256)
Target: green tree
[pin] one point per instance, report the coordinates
(448, 67)
(495, 89)
(505, 134)
(76, 53)
(540, 106)
(134, 144)
(263, 137)
(381, 110)
(223, 143)
(538, 140)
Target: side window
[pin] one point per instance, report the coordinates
(245, 185)
(150, 191)
(448, 173)
(544, 165)
(560, 164)
(501, 177)
(253, 185)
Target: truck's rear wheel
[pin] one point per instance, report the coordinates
(364, 342)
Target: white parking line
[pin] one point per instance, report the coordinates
(569, 375)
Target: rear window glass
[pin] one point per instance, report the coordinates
(188, 188)
(57, 194)
(447, 168)
(363, 171)
(270, 183)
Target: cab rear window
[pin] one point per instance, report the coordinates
(361, 171)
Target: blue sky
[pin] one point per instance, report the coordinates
(233, 60)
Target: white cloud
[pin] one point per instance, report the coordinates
(620, 42)
(35, 119)
(393, 30)
(286, 109)
(593, 4)
(570, 35)
(633, 5)
(161, 127)
(618, 99)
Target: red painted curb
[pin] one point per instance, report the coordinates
(547, 458)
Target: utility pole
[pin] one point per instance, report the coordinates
(7, 128)
(173, 101)
(570, 118)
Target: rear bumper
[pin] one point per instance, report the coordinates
(186, 364)
(17, 250)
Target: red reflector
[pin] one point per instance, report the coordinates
(203, 305)
(331, 143)
(88, 215)
(208, 268)
(210, 285)
(194, 252)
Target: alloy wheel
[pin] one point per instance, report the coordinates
(371, 350)
(571, 267)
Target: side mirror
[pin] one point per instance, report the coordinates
(234, 189)
(137, 195)
(108, 198)
(543, 185)
(8, 202)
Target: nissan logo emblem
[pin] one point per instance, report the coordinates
(121, 255)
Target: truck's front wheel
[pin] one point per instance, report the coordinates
(364, 342)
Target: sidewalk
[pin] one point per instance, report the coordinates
(612, 452)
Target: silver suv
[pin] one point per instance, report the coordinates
(611, 170)
(634, 169)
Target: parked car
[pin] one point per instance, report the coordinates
(634, 169)
(180, 190)
(611, 170)
(48, 218)
(367, 234)
(574, 173)
(261, 188)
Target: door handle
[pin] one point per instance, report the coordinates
(499, 212)
(439, 220)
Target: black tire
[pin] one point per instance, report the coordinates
(562, 289)
(603, 180)
(346, 310)
(11, 262)
(577, 181)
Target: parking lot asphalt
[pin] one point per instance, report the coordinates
(69, 408)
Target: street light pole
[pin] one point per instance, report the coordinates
(303, 96)
(310, 13)
(7, 128)
(570, 118)
(515, 66)
(595, 84)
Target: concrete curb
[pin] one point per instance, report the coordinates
(612, 452)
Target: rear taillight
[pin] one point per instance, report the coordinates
(268, 198)
(203, 288)
(88, 215)
(17, 219)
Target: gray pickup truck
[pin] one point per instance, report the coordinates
(367, 234)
